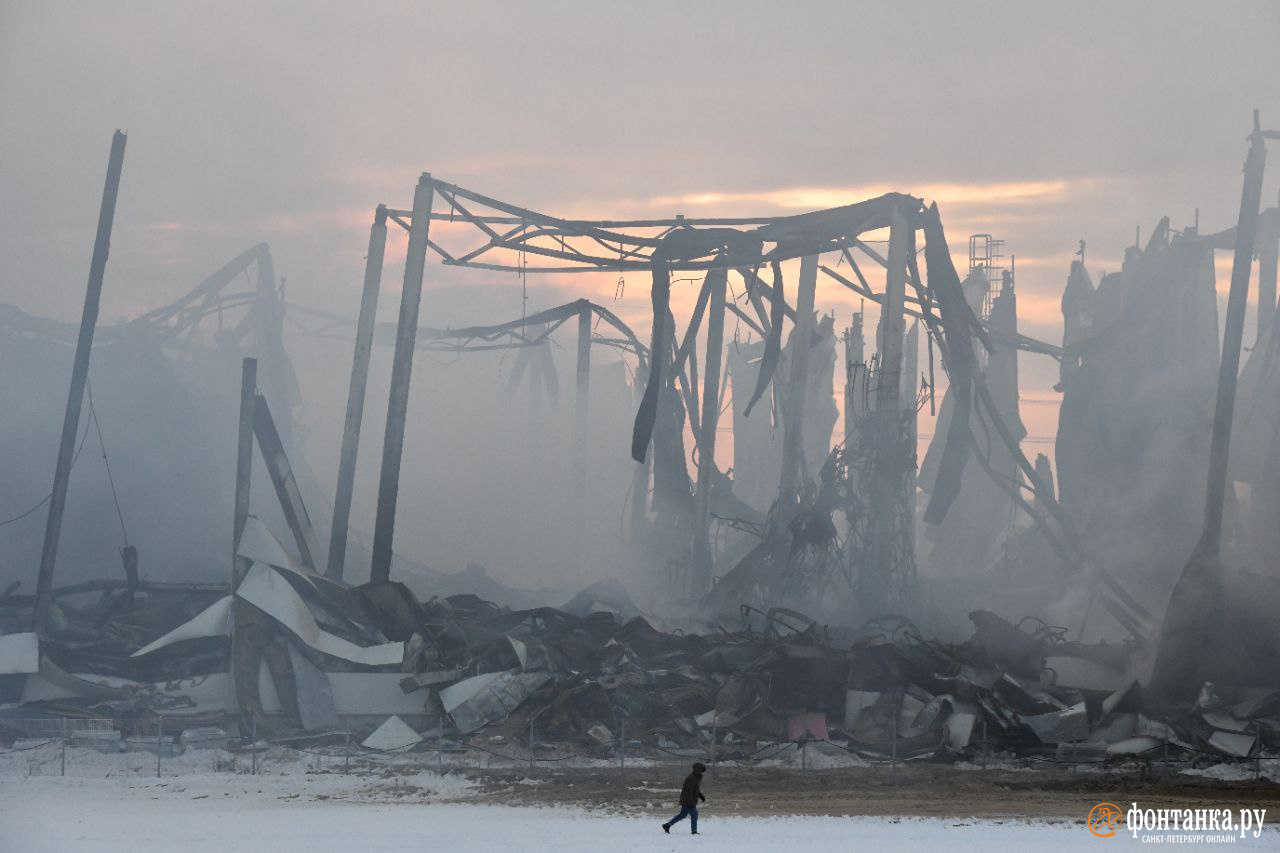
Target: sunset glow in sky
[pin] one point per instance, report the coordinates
(289, 122)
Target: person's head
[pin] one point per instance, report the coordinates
(699, 767)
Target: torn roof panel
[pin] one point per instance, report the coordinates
(259, 544)
(213, 621)
(266, 589)
(19, 654)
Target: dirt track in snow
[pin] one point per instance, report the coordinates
(918, 790)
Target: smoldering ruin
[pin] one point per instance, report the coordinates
(747, 544)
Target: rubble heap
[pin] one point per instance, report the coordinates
(345, 659)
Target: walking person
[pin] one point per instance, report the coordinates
(690, 796)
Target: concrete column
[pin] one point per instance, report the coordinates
(581, 402)
(79, 377)
(887, 464)
(355, 395)
(1268, 267)
(244, 463)
(794, 396)
(700, 563)
(401, 372)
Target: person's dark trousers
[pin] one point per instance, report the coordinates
(686, 811)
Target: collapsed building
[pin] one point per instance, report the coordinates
(1137, 405)
(284, 644)
(973, 534)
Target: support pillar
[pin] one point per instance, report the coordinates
(700, 563)
(1232, 334)
(355, 396)
(244, 464)
(794, 397)
(79, 376)
(581, 401)
(1268, 267)
(401, 372)
(1191, 647)
(637, 528)
(886, 473)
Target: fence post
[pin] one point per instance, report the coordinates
(622, 746)
(64, 746)
(440, 757)
(531, 744)
(715, 736)
(893, 750)
(804, 752)
(159, 739)
(984, 744)
(254, 759)
(346, 754)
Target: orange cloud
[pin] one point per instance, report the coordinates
(817, 198)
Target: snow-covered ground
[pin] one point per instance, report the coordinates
(206, 801)
(226, 813)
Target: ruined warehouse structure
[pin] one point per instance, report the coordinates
(278, 641)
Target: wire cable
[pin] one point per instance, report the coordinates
(115, 498)
(44, 500)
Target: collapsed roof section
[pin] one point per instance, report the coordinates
(681, 244)
(480, 232)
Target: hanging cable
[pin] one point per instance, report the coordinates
(93, 415)
(44, 500)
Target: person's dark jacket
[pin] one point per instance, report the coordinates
(691, 792)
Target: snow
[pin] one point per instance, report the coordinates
(320, 812)
(1266, 768)
(204, 805)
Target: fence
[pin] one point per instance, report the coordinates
(106, 746)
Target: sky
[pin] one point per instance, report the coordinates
(1041, 123)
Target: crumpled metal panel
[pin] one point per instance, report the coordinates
(489, 698)
(264, 588)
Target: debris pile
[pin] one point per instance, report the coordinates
(292, 656)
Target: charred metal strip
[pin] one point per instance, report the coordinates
(700, 579)
(746, 318)
(869, 294)
(764, 287)
(688, 378)
(282, 479)
(962, 366)
(695, 322)
(773, 343)
(750, 278)
(647, 413)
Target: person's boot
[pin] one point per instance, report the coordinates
(666, 827)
